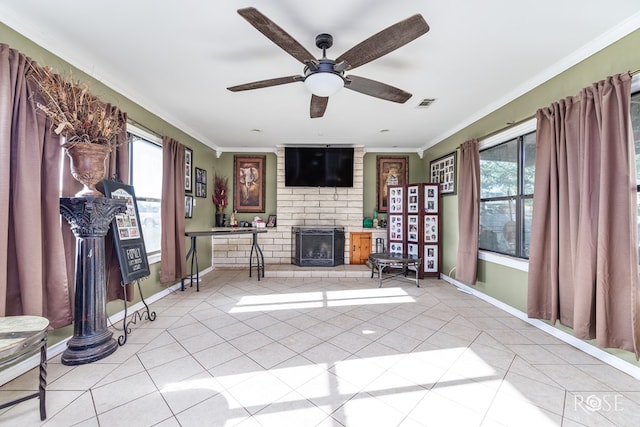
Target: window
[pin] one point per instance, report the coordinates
(507, 167)
(146, 178)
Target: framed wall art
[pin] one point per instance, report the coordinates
(188, 163)
(201, 182)
(188, 206)
(390, 171)
(248, 183)
(443, 172)
(430, 258)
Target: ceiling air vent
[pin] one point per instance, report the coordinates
(426, 102)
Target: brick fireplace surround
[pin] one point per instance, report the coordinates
(342, 207)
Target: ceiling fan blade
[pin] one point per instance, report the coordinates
(276, 34)
(318, 106)
(266, 83)
(385, 41)
(377, 89)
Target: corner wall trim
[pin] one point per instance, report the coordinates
(596, 352)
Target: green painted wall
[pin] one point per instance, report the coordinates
(417, 173)
(204, 157)
(506, 284)
(224, 166)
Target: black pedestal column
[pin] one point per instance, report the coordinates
(90, 218)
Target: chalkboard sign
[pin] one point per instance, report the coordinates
(127, 234)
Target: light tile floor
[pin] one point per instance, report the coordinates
(331, 352)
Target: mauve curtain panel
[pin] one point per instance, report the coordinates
(583, 263)
(173, 264)
(468, 212)
(33, 278)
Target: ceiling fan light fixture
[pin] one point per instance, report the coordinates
(323, 84)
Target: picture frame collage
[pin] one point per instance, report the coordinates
(395, 199)
(431, 228)
(201, 182)
(412, 249)
(188, 166)
(413, 227)
(430, 199)
(188, 182)
(412, 224)
(443, 172)
(430, 258)
(396, 228)
(412, 205)
(188, 206)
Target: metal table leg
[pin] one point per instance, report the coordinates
(259, 257)
(193, 253)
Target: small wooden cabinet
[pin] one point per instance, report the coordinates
(360, 247)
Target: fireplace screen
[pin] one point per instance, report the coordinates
(312, 246)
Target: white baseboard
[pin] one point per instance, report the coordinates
(596, 352)
(57, 348)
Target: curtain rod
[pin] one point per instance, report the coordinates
(143, 127)
(512, 124)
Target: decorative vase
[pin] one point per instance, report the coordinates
(219, 220)
(88, 166)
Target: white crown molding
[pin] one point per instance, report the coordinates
(614, 34)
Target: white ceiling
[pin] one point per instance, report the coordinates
(176, 58)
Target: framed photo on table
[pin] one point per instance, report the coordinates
(390, 171)
(443, 172)
(201, 182)
(248, 183)
(188, 176)
(271, 222)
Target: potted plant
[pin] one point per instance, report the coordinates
(90, 127)
(220, 197)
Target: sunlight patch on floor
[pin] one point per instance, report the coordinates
(304, 300)
(361, 386)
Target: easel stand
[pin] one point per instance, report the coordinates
(90, 218)
(142, 314)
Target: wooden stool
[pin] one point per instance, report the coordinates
(20, 338)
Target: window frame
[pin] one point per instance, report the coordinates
(153, 257)
(514, 132)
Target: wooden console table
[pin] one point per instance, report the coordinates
(20, 338)
(384, 260)
(224, 232)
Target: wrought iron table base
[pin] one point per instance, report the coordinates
(381, 261)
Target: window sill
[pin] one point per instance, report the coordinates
(507, 261)
(152, 259)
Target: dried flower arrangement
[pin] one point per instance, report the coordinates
(220, 192)
(73, 111)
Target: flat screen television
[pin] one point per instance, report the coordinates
(318, 166)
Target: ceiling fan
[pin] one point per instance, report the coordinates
(324, 77)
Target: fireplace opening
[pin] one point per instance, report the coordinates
(317, 246)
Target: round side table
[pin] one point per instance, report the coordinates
(20, 338)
